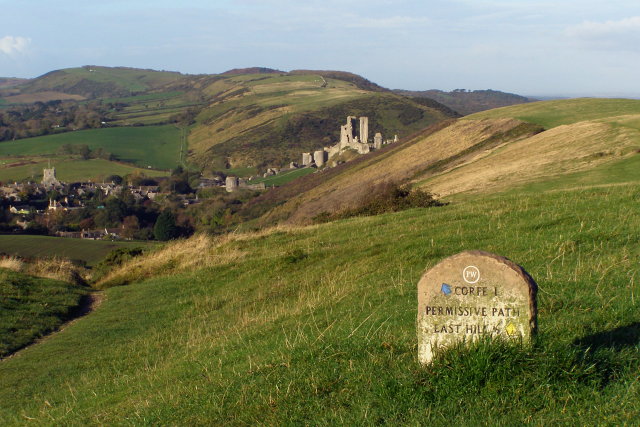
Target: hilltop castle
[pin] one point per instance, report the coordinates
(354, 135)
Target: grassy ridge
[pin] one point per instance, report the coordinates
(89, 251)
(92, 81)
(317, 326)
(274, 118)
(32, 307)
(155, 146)
(550, 114)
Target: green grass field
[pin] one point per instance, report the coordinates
(155, 146)
(89, 251)
(316, 326)
(32, 307)
(285, 177)
(68, 170)
(550, 114)
(242, 172)
(150, 97)
(616, 172)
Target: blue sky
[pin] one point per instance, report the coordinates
(558, 47)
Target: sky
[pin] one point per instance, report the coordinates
(529, 47)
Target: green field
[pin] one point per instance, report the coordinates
(316, 326)
(283, 178)
(89, 251)
(155, 146)
(616, 172)
(160, 96)
(32, 307)
(68, 170)
(550, 114)
(242, 172)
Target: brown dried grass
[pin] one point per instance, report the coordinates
(196, 252)
(51, 268)
(57, 269)
(12, 263)
(561, 150)
(400, 165)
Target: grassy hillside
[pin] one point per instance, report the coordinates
(243, 118)
(155, 146)
(550, 114)
(93, 81)
(32, 307)
(89, 251)
(582, 135)
(270, 119)
(316, 325)
(484, 152)
(343, 188)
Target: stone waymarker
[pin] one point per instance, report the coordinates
(471, 295)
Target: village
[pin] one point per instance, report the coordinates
(38, 207)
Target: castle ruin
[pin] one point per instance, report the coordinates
(354, 135)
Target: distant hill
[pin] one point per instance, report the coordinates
(256, 116)
(468, 102)
(357, 80)
(7, 82)
(251, 70)
(95, 82)
(270, 119)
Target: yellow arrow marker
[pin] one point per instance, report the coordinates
(511, 329)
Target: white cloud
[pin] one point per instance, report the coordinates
(590, 29)
(622, 35)
(382, 23)
(10, 45)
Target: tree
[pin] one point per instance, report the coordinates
(130, 225)
(116, 210)
(165, 228)
(84, 151)
(116, 179)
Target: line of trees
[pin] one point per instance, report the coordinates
(43, 118)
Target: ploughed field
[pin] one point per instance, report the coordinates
(316, 325)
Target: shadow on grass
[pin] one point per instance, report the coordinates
(614, 339)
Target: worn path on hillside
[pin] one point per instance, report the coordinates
(88, 304)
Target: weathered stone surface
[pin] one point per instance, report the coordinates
(231, 183)
(364, 130)
(377, 141)
(319, 157)
(471, 295)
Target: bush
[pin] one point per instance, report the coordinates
(115, 258)
(385, 197)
